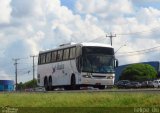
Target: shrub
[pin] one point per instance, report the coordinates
(138, 72)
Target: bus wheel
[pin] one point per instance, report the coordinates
(102, 87)
(67, 87)
(46, 83)
(50, 83)
(73, 82)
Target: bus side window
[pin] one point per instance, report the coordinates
(53, 58)
(59, 55)
(48, 57)
(43, 58)
(78, 51)
(66, 54)
(39, 59)
(38, 78)
(72, 52)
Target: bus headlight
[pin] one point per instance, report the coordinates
(87, 76)
(110, 77)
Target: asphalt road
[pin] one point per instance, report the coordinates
(144, 90)
(96, 90)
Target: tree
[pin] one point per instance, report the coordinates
(30, 84)
(20, 86)
(138, 72)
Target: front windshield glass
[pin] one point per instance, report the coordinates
(96, 63)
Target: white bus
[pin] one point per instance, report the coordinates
(74, 65)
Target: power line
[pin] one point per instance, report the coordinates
(138, 52)
(142, 50)
(119, 48)
(27, 72)
(23, 68)
(126, 34)
(7, 76)
(97, 39)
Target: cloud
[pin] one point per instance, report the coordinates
(4, 76)
(34, 42)
(5, 12)
(148, 16)
(104, 8)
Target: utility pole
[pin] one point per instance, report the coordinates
(111, 36)
(15, 60)
(33, 56)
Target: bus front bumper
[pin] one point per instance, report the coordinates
(91, 81)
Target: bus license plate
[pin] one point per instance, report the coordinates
(98, 83)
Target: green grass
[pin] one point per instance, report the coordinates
(83, 99)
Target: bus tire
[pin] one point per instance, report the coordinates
(68, 87)
(102, 87)
(73, 82)
(46, 83)
(50, 83)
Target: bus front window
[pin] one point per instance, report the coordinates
(98, 63)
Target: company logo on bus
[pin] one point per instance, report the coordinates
(60, 67)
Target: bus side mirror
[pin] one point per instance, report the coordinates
(116, 63)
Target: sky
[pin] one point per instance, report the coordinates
(28, 26)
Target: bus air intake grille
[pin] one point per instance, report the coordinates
(96, 76)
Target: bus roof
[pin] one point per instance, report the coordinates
(95, 44)
(91, 44)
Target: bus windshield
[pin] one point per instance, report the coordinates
(100, 62)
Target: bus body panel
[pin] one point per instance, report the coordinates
(60, 72)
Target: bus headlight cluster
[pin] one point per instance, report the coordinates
(87, 76)
(110, 77)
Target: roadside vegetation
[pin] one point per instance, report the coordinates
(138, 72)
(29, 84)
(84, 102)
(84, 99)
